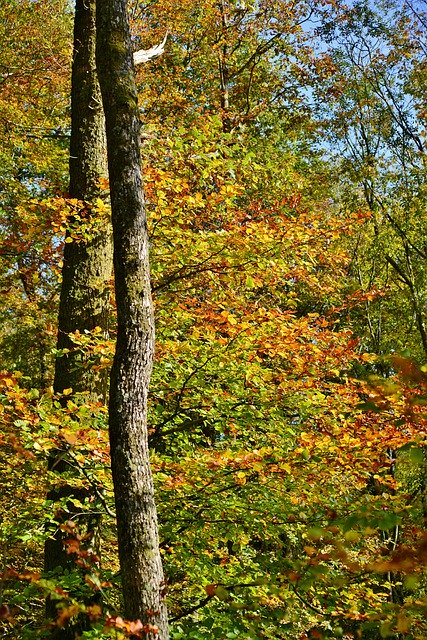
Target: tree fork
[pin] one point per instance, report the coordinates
(141, 567)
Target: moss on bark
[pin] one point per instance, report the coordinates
(140, 560)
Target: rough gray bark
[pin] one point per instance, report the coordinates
(141, 567)
(87, 269)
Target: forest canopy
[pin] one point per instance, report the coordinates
(282, 195)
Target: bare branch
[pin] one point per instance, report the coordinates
(144, 55)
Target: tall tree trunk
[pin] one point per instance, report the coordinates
(140, 560)
(87, 269)
(87, 265)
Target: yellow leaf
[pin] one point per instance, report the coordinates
(352, 536)
(70, 438)
(403, 623)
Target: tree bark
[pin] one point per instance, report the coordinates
(141, 567)
(87, 269)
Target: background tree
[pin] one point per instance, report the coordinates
(380, 129)
(85, 288)
(34, 88)
(87, 268)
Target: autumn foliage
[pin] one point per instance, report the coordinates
(287, 405)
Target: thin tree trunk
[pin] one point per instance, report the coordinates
(223, 71)
(141, 567)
